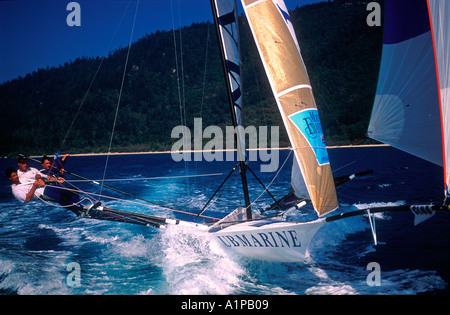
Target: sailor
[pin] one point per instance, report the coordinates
(23, 192)
(55, 168)
(26, 173)
(30, 174)
(25, 189)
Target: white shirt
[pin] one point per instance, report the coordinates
(29, 175)
(20, 191)
(27, 179)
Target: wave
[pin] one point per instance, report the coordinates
(194, 263)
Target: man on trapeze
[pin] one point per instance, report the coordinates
(28, 182)
(55, 167)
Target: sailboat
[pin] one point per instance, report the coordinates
(414, 49)
(275, 39)
(411, 112)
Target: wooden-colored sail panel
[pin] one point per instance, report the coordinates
(279, 51)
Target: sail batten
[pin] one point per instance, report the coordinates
(302, 86)
(279, 50)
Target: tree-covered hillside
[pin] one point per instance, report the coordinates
(41, 113)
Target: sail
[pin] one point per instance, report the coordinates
(226, 22)
(226, 15)
(279, 50)
(406, 111)
(297, 182)
(439, 15)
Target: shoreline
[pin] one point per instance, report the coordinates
(223, 150)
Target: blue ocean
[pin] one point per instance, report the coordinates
(47, 250)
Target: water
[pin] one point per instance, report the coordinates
(38, 242)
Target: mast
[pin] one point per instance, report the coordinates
(231, 69)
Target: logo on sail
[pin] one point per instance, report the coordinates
(308, 122)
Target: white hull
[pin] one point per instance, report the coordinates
(269, 241)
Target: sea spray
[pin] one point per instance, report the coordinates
(193, 263)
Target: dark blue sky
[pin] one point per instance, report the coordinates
(34, 33)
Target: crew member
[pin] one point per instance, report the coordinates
(55, 168)
(25, 191)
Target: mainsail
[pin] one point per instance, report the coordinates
(439, 16)
(226, 21)
(406, 112)
(279, 50)
(225, 11)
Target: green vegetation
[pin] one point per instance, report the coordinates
(341, 52)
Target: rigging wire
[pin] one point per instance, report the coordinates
(79, 191)
(271, 182)
(136, 179)
(94, 78)
(120, 93)
(181, 89)
(178, 65)
(203, 90)
(217, 190)
(147, 202)
(205, 70)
